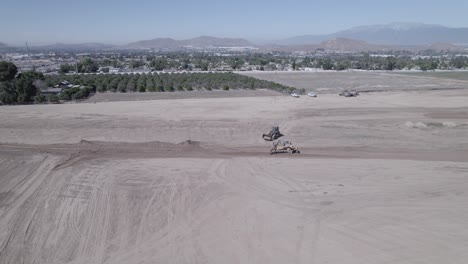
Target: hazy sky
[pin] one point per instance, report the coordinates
(116, 21)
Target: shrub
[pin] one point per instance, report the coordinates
(40, 99)
(54, 99)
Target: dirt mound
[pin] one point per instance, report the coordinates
(189, 142)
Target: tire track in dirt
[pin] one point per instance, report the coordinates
(20, 217)
(175, 197)
(260, 185)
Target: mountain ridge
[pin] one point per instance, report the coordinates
(200, 42)
(345, 45)
(397, 33)
(77, 46)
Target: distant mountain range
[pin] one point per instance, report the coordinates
(199, 42)
(344, 45)
(393, 36)
(334, 45)
(74, 47)
(390, 34)
(351, 45)
(158, 43)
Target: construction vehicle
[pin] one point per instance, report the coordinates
(283, 146)
(273, 135)
(349, 93)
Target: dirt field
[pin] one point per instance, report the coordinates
(118, 97)
(334, 82)
(381, 178)
(454, 75)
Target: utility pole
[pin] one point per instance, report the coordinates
(29, 56)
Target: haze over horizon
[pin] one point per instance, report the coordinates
(120, 22)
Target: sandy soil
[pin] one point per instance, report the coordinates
(381, 178)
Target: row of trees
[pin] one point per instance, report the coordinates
(389, 63)
(168, 61)
(267, 61)
(166, 82)
(25, 87)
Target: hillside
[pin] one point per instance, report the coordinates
(440, 46)
(347, 45)
(339, 45)
(390, 34)
(199, 42)
(79, 46)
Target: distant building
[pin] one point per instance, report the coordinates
(114, 70)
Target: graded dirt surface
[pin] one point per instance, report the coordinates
(118, 97)
(381, 178)
(335, 82)
(453, 75)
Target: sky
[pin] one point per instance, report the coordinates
(120, 22)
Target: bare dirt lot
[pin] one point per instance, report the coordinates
(381, 178)
(334, 82)
(117, 97)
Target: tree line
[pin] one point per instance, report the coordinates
(19, 88)
(268, 61)
(166, 82)
(383, 62)
(26, 87)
